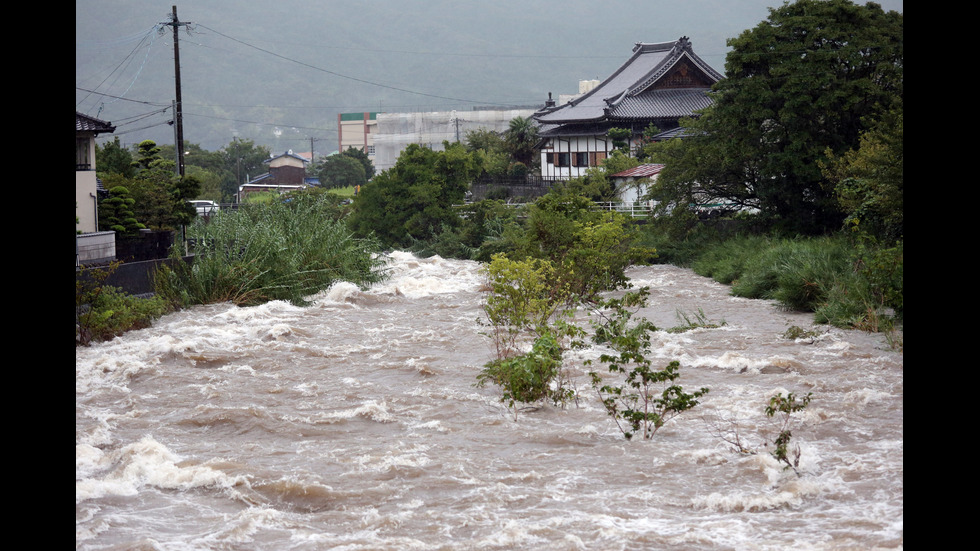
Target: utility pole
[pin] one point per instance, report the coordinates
(178, 105)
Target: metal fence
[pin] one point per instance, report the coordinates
(519, 189)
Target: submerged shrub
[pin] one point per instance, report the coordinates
(529, 377)
(632, 398)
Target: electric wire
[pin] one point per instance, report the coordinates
(348, 77)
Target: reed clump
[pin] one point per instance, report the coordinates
(284, 250)
(844, 281)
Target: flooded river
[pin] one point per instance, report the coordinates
(354, 424)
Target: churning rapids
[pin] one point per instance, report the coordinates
(355, 424)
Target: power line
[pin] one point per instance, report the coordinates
(334, 73)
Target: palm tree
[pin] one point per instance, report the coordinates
(522, 137)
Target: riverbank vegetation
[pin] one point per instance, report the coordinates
(285, 250)
(104, 311)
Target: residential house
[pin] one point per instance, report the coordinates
(91, 245)
(659, 84)
(86, 183)
(287, 172)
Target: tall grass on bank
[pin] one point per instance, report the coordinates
(845, 282)
(285, 250)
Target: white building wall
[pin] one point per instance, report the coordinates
(594, 148)
(397, 130)
(86, 185)
(86, 205)
(567, 164)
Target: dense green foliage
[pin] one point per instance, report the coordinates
(529, 377)
(156, 196)
(525, 301)
(113, 158)
(341, 170)
(523, 296)
(522, 138)
(103, 312)
(285, 250)
(414, 200)
(845, 281)
(801, 86)
(869, 180)
(116, 212)
(597, 184)
(360, 156)
(590, 249)
(221, 172)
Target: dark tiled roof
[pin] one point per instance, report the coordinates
(679, 132)
(661, 104)
(85, 123)
(586, 129)
(635, 90)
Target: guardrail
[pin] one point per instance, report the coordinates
(636, 209)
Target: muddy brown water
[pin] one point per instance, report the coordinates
(355, 424)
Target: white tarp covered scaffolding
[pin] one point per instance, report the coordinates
(397, 130)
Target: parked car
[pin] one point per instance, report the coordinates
(205, 207)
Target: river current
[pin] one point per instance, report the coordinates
(354, 424)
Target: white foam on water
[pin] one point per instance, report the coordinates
(126, 471)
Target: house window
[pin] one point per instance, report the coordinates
(562, 159)
(82, 160)
(582, 159)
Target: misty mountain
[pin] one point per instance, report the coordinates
(279, 72)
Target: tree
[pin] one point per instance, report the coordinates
(160, 195)
(360, 156)
(869, 180)
(491, 150)
(113, 158)
(521, 138)
(116, 212)
(242, 158)
(805, 83)
(589, 249)
(485, 139)
(414, 199)
(620, 138)
(337, 171)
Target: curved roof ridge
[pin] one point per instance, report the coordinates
(682, 49)
(648, 64)
(639, 49)
(654, 46)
